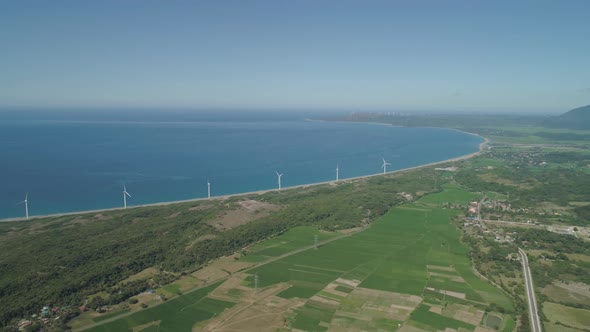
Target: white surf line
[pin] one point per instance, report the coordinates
(259, 192)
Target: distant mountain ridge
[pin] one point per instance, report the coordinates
(578, 118)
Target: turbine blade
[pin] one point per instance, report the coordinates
(128, 194)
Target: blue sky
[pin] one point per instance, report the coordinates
(353, 55)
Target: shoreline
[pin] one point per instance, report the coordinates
(482, 145)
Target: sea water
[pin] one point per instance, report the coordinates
(70, 162)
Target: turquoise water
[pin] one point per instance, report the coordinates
(72, 163)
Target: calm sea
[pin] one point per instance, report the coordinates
(80, 161)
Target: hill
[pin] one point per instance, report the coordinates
(578, 118)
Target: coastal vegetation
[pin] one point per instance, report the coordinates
(328, 256)
(63, 260)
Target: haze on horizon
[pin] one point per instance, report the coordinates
(366, 55)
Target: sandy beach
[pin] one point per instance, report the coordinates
(482, 146)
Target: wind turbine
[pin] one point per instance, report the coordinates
(208, 189)
(337, 172)
(279, 178)
(125, 194)
(384, 166)
(26, 201)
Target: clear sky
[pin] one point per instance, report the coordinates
(297, 54)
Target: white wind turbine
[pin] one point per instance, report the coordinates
(26, 201)
(384, 166)
(208, 189)
(125, 194)
(279, 178)
(337, 170)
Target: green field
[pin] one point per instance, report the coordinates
(310, 318)
(423, 316)
(179, 314)
(295, 238)
(452, 194)
(393, 254)
(563, 315)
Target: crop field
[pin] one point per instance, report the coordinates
(294, 238)
(391, 256)
(424, 316)
(179, 314)
(561, 316)
(409, 267)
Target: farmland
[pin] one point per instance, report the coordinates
(563, 317)
(179, 314)
(407, 269)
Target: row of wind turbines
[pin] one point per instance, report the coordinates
(280, 175)
(127, 194)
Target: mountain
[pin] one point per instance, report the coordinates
(578, 118)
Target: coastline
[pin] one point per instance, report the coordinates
(482, 145)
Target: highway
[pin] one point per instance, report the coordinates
(530, 292)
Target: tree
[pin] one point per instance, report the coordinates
(97, 302)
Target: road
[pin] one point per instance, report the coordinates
(530, 292)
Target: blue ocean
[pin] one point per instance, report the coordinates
(75, 161)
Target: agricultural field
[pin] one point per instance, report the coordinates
(452, 193)
(407, 270)
(178, 314)
(564, 318)
(295, 238)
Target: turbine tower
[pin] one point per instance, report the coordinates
(125, 194)
(279, 178)
(26, 201)
(208, 189)
(337, 172)
(384, 166)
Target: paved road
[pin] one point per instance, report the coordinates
(530, 292)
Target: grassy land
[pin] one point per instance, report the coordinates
(561, 315)
(452, 193)
(424, 316)
(294, 238)
(392, 255)
(179, 314)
